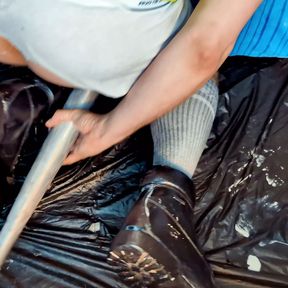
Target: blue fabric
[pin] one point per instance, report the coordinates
(266, 34)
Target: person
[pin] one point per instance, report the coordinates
(163, 55)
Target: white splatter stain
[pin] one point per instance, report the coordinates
(270, 151)
(243, 226)
(274, 182)
(274, 206)
(254, 263)
(174, 233)
(262, 244)
(259, 160)
(94, 227)
(242, 230)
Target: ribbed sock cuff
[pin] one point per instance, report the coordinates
(180, 136)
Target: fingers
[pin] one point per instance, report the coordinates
(83, 120)
(59, 117)
(75, 154)
(92, 131)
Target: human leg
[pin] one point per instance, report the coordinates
(157, 243)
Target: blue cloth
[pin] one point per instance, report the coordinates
(266, 34)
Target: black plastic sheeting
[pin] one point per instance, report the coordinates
(242, 199)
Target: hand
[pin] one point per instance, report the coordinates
(92, 130)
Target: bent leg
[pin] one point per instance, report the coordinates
(156, 246)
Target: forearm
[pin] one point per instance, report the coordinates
(175, 75)
(191, 58)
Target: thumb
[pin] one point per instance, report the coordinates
(73, 158)
(81, 150)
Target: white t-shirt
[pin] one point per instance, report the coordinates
(101, 45)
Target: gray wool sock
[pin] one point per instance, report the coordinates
(180, 136)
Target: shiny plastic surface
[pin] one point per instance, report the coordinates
(242, 203)
(45, 167)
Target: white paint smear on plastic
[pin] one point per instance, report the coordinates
(276, 181)
(95, 227)
(254, 263)
(242, 230)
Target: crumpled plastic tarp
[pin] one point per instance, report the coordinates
(241, 183)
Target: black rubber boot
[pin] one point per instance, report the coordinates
(155, 247)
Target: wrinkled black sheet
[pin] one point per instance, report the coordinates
(242, 202)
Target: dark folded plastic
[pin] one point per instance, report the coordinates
(241, 208)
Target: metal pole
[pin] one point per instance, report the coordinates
(55, 149)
